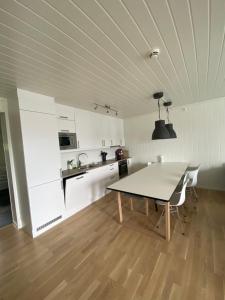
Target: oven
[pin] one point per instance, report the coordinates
(67, 140)
(123, 168)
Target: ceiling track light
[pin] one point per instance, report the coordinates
(108, 109)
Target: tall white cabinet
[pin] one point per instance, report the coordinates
(42, 160)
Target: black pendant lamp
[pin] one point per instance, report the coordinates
(160, 131)
(169, 125)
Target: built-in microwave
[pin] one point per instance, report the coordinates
(67, 140)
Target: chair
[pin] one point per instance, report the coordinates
(192, 173)
(176, 200)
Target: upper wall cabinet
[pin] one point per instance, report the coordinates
(65, 112)
(116, 132)
(35, 102)
(96, 130)
(88, 125)
(66, 126)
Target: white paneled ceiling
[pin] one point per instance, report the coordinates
(86, 51)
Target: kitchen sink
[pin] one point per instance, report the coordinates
(88, 166)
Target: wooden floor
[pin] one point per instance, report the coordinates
(91, 256)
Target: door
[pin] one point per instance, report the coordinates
(41, 147)
(5, 204)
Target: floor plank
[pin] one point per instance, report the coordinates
(92, 256)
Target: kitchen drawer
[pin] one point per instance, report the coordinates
(66, 126)
(113, 167)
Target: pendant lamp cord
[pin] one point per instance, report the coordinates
(159, 109)
(167, 110)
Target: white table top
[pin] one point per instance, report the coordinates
(155, 181)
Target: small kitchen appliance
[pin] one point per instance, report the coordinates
(67, 140)
(119, 154)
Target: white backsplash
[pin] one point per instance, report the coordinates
(93, 156)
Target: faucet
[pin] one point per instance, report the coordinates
(78, 158)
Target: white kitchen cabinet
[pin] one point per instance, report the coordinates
(35, 102)
(112, 174)
(121, 132)
(78, 193)
(105, 131)
(41, 147)
(101, 178)
(65, 112)
(88, 126)
(46, 205)
(98, 179)
(112, 131)
(66, 126)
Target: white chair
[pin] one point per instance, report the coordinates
(177, 199)
(192, 173)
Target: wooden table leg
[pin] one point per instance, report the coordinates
(131, 204)
(146, 206)
(167, 213)
(120, 207)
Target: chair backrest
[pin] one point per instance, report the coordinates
(192, 174)
(182, 194)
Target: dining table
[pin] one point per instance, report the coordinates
(157, 181)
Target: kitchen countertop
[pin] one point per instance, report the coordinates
(84, 169)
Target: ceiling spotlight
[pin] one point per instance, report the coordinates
(154, 53)
(107, 108)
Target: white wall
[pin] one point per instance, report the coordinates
(93, 156)
(20, 184)
(200, 128)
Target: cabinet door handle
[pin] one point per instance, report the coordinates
(63, 117)
(79, 177)
(64, 130)
(111, 169)
(60, 171)
(78, 144)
